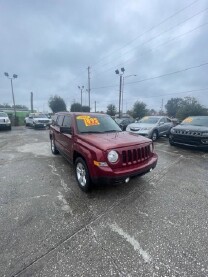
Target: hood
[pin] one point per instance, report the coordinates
(191, 128)
(141, 125)
(107, 141)
(3, 118)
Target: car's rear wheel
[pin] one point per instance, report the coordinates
(154, 135)
(82, 175)
(53, 147)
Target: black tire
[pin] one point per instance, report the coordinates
(154, 135)
(82, 175)
(171, 142)
(53, 147)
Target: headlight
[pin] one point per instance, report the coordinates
(7, 120)
(205, 134)
(112, 156)
(172, 131)
(35, 121)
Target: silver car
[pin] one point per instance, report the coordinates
(152, 127)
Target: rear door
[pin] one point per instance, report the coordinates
(67, 139)
(56, 131)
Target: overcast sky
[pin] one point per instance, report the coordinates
(49, 44)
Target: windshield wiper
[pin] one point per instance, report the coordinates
(110, 131)
(91, 132)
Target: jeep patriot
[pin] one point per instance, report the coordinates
(100, 151)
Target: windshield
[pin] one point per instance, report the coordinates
(149, 120)
(3, 115)
(40, 116)
(196, 120)
(96, 124)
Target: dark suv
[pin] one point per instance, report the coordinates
(98, 148)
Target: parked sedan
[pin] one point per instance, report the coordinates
(152, 127)
(124, 122)
(193, 131)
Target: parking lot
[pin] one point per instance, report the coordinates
(156, 225)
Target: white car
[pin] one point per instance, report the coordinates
(152, 127)
(37, 120)
(5, 122)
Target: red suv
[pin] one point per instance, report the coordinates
(99, 149)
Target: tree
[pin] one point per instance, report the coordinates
(57, 104)
(86, 109)
(139, 109)
(173, 106)
(76, 107)
(190, 106)
(111, 110)
(5, 106)
(21, 107)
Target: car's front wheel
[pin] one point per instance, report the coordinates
(54, 150)
(171, 142)
(82, 175)
(154, 135)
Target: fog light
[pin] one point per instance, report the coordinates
(127, 180)
(204, 141)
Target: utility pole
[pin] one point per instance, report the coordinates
(120, 89)
(11, 78)
(31, 101)
(95, 106)
(81, 88)
(88, 69)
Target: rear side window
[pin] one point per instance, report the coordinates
(67, 121)
(60, 120)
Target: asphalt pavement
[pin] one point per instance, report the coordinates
(156, 225)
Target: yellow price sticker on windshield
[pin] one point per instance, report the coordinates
(188, 120)
(89, 121)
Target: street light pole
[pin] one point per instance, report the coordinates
(120, 89)
(81, 88)
(124, 77)
(11, 78)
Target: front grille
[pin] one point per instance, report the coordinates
(137, 155)
(185, 139)
(43, 121)
(188, 133)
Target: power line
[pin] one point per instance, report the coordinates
(156, 77)
(179, 92)
(149, 30)
(147, 41)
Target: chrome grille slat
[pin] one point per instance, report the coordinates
(188, 133)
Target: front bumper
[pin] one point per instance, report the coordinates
(5, 126)
(105, 175)
(41, 125)
(189, 141)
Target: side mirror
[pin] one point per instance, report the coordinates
(66, 130)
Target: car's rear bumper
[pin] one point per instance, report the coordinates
(107, 176)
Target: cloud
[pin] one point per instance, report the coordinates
(50, 44)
